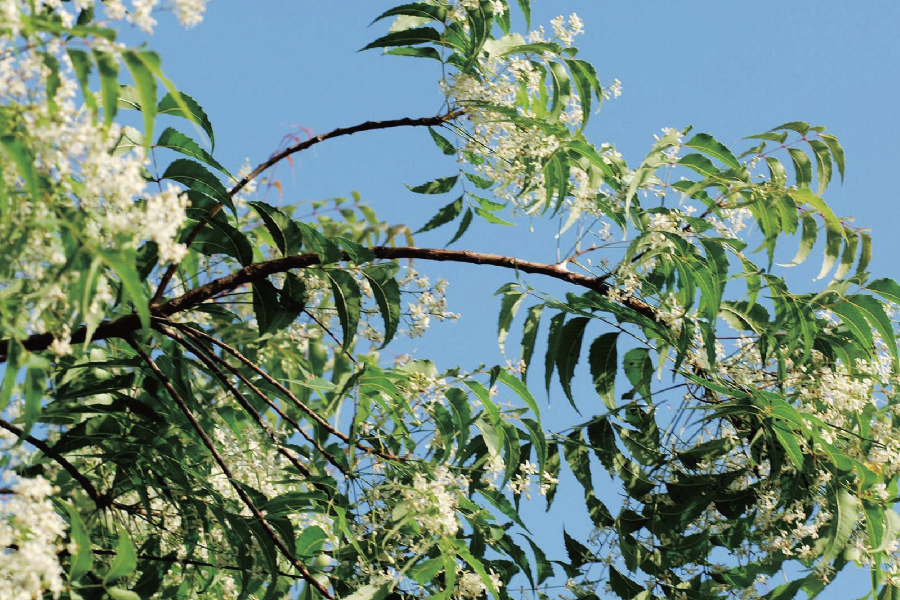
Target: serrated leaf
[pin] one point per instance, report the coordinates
(124, 265)
(273, 311)
(789, 442)
(108, 70)
(444, 215)
(371, 592)
(407, 37)
(877, 317)
(314, 241)
(529, 336)
(570, 338)
(848, 256)
(490, 217)
(139, 64)
(440, 185)
(604, 367)
(125, 561)
(837, 152)
(808, 235)
(83, 65)
(193, 113)
(386, 291)
(284, 231)
(509, 305)
(521, 391)
(639, 370)
(82, 558)
(586, 82)
(196, 177)
(844, 517)
(833, 239)
(348, 302)
(865, 253)
(553, 336)
(445, 145)
(218, 237)
(802, 167)
(177, 141)
(711, 146)
(480, 182)
(463, 226)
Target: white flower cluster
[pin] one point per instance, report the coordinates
(434, 500)
(431, 301)
(139, 13)
(31, 535)
(470, 586)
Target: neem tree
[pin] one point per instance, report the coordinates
(165, 441)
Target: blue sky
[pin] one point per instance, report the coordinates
(266, 69)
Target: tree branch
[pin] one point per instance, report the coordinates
(124, 326)
(278, 156)
(101, 500)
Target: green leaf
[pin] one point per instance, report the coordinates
(480, 182)
(108, 69)
(83, 558)
(444, 215)
(639, 370)
(509, 305)
(310, 540)
(823, 164)
(124, 265)
(273, 311)
(552, 347)
(348, 302)
(187, 108)
(177, 141)
(810, 230)
(834, 236)
(425, 571)
(603, 360)
(463, 226)
(490, 217)
(218, 237)
(802, 167)
(407, 37)
(570, 338)
(445, 145)
(586, 82)
(789, 442)
(140, 63)
(82, 65)
(371, 592)
(845, 512)
(543, 566)
(837, 153)
(281, 227)
(622, 586)
(125, 561)
(520, 389)
(529, 336)
(440, 185)
(24, 159)
(195, 176)
(711, 146)
(117, 593)
(865, 254)
(877, 317)
(314, 241)
(422, 10)
(886, 288)
(386, 291)
(848, 256)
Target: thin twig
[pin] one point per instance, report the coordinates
(232, 480)
(279, 156)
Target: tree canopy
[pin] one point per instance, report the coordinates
(196, 400)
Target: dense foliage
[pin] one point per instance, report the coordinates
(194, 400)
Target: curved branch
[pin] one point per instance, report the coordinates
(101, 500)
(279, 156)
(124, 326)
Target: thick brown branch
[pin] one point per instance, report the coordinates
(281, 155)
(235, 484)
(124, 326)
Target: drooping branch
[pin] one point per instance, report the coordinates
(101, 500)
(128, 324)
(232, 480)
(299, 147)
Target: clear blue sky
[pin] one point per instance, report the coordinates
(732, 69)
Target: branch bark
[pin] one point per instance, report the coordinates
(279, 156)
(125, 326)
